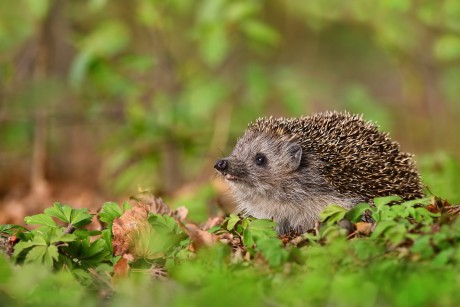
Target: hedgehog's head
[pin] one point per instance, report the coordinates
(260, 160)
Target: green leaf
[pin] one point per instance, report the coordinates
(444, 256)
(332, 214)
(95, 248)
(248, 239)
(46, 255)
(383, 201)
(86, 254)
(60, 212)
(109, 212)
(80, 217)
(40, 239)
(382, 227)
(272, 250)
(423, 247)
(215, 229)
(422, 214)
(36, 254)
(232, 220)
(11, 228)
(261, 228)
(20, 247)
(83, 233)
(164, 224)
(40, 219)
(422, 201)
(126, 206)
(107, 236)
(355, 213)
(67, 237)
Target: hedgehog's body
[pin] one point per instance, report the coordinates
(290, 169)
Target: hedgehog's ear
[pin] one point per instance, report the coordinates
(295, 153)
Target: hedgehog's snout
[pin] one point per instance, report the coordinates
(221, 165)
(229, 170)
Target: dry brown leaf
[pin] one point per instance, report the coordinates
(181, 213)
(212, 222)
(126, 228)
(156, 205)
(121, 268)
(199, 237)
(364, 228)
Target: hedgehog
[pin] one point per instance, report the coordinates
(290, 169)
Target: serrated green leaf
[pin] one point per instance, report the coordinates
(272, 250)
(332, 214)
(383, 201)
(67, 237)
(36, 254)
(355, 213)
(214, 229)
(244, 224)
(258, 229)
(444, 256)
(83, 233)
(232, 220)
(46, 255)
(399, 211)
(422, 214)
(80, 217)
(109, 212)
(382, 227)
(164, 224)
(11, 229)
(107, 236)
(96, 247)
(422, 201)
(51, 255)
(262, 224)
(40, 219)
(20, 247)
(248, 240)
(60, 212)
(49, 235)
(423, 247)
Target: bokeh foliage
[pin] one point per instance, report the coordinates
(150, 93)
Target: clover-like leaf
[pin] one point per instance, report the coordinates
(355, 213)
(332, 214)
(40, 219)
(61, 212)
(80, 217)
(232, 220)
(110, 211)
(383, 201)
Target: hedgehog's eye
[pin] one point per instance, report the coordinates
(261, 159)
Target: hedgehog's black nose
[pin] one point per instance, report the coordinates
(221, 165)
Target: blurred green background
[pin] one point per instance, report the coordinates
(105, 97)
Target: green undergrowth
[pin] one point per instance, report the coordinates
(390, 253)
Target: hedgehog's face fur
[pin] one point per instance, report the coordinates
(259, 161)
